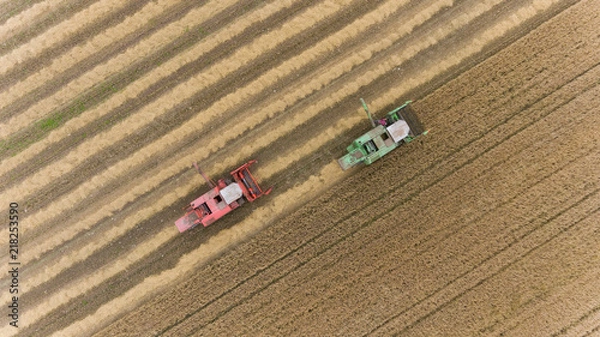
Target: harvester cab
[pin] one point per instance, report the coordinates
(399, 126)
(224, 196)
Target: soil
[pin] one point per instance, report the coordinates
(485, 226)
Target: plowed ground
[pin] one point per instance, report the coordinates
(487, 226)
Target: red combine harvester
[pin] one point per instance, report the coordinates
(225, 196)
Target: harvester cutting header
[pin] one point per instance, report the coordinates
(224, 196)
(399, 126)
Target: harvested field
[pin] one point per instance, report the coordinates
(487, 226)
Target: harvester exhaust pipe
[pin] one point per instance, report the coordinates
(368, 112)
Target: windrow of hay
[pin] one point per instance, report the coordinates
(24, 19)
(181, 92)
(134, 89)
(100, 72)
(71, 58)
(59, 33)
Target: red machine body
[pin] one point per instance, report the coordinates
(224, 196)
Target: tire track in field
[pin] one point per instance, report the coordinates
(21, 21)
(495, 263)
(577, 295)
(99, 73)
(172, 169)
(75, 55)
(589, 322)
(58, 33)
(530, 258)
(216, 245)
(139, 86)
(182, 91)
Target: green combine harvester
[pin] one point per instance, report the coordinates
(400, 125)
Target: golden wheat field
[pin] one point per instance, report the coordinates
(487, 226)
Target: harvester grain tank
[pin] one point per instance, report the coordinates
(399, 126)
(224, 196)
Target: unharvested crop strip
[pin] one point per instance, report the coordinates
(474, 46)
(516, 252)
(161, 106)
(432, 299)
(362, 236)
(96, 75)
(153, 77)
(59, 33)
(569, 110)
(552, 282)
(151, 183)
(519, 199)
